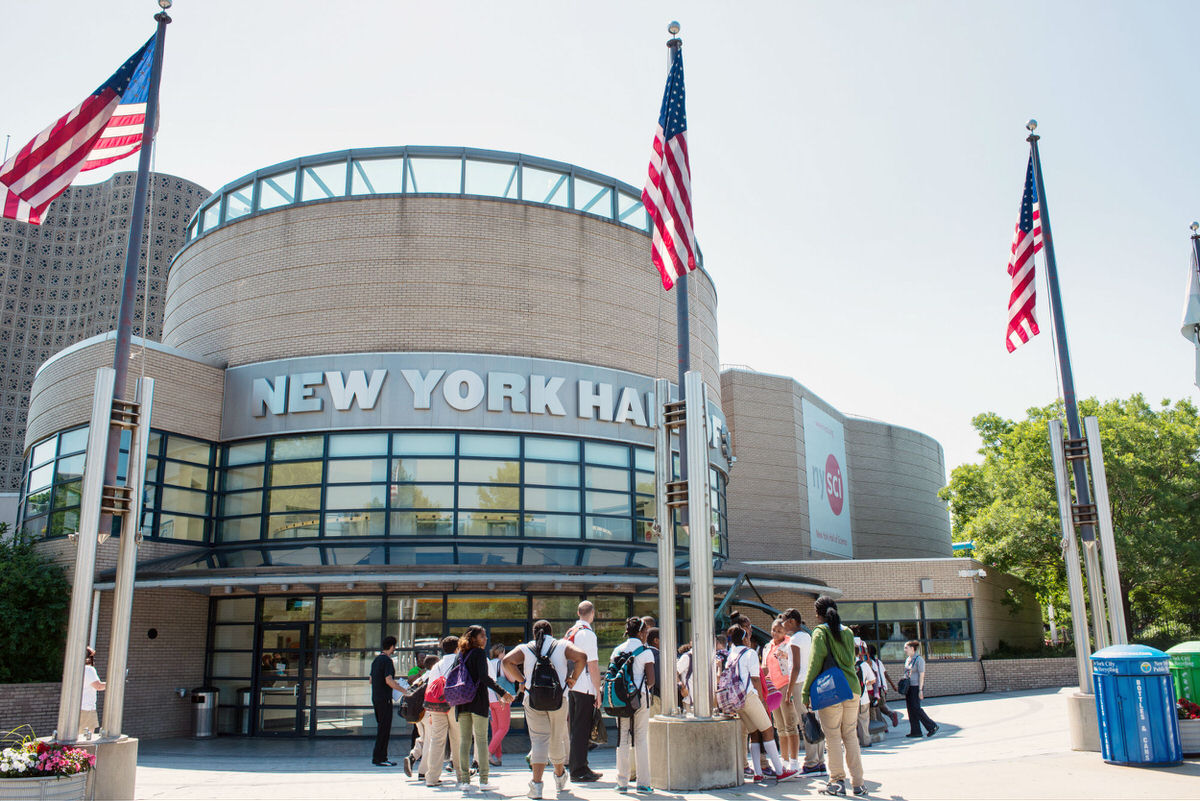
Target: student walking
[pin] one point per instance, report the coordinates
(438, 725)
(914, 672)
(472, 716)
(755, 721)
(501, 712)
(547, 726)
(584, 698)
(383, 682)
(89, 720)
(833, 646)
(634, 730)
(801, 650)
(882, 682)
(866, 677)
(777, 659)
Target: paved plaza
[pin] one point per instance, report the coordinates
(1011, 745)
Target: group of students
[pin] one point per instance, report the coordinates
(450, 697)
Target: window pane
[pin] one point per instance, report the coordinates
(487, 524)
(245, 453)
(63, 523)
(606, 478)
(851, 612)
(185, 475)
(936, 609)
(631, 211)
(187, 501)
(410, 608)
(237, 638)
(898, 610)
(422, 496)
(36, 503)
(211, 216)
(422, 524)
(471, 496)
(278, 608)
(180, 527)
(295, 499)
(67, 494)
(643, 505)
(242, 503)
(239, 529)
(544, 525)
(365, 496)
(599, 453)
(323, 181)
(344, 471)
(293, 526)
(41, 477)
(289, 473)
(608, 503)
(948, 649)
(947, 630)
(237, 202)
(188, 450)
(364, 608)
(593, 198)
(433, 175)
(559, 450)
(544, 186)
(488, 556)
(234, 665)
(409, 469)
(559, 475)
(423, 444)
(358, 445)
(377, 176)
(644, 482)
(235, 610)
(491, 179)
(243, 477)
(643, 459)
(75, 441)
(555, 607)
(898, 631)
(44, 450)
(495, 608)
(354, 524)
(309, 447)
(489, 445)
(549, 500)
(609, 528)
(277, 190)
(494, 472)
(537, 555)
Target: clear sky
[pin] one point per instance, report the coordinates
(857, 167)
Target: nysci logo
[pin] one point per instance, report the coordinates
(829, 484)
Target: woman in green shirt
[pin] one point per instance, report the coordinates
(833, 644)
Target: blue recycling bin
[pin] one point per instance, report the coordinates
(1135, 703)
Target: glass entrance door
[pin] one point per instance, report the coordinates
(282, 679)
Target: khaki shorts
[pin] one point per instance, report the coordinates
(547, 735)
(88, 719)
(754, 715)
(786, 719)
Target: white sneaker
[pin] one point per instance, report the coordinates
(535, 789)
(468, 788)
(560, 780)
(488, 787)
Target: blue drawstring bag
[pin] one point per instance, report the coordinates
(830, 686)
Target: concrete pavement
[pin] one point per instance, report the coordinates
(1011, 745)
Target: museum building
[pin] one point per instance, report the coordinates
(404, 390)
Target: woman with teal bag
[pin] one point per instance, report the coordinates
(833, 649)
(501, 710)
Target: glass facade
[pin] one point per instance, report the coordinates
(401, 497)
(942, 627)
(423, 171)
(295, 664)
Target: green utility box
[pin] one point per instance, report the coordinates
(1185, 670)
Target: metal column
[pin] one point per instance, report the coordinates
(665, 528)
(700, 540)
(1079, 624)
(1108, 546)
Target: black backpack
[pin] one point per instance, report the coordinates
(545, 691)
(412, 704)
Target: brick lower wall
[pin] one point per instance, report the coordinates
(34, 705)
(992, 676)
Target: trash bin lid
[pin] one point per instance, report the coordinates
(1131, 660)
(1186, 654)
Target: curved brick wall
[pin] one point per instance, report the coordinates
(471, 275)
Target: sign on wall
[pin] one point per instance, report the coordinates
(828, 486)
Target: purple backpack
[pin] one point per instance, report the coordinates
(460, 687)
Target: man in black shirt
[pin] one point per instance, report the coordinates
(383, 681)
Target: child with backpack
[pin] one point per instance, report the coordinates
(625, 696)
(467, 684)
(441, 730)
(542, 665)
(740, 692)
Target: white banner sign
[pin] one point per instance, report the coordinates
(828, 486)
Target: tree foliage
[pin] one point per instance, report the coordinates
(34, 598)
(1009, 507)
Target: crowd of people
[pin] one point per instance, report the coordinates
(804, 699)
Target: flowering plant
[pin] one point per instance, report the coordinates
(28, 757)
(1186, 710)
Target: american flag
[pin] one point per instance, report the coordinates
(668, 192)
(1027, 240)
(105, 127)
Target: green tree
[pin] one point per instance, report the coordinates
(34, 597)
(1008, 504)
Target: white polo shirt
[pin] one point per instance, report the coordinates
(802, 640)
(585, 640)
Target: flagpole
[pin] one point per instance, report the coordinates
(1074, 431)
(1196, 266)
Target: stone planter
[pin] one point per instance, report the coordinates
(1189, 735)
(45, 788)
